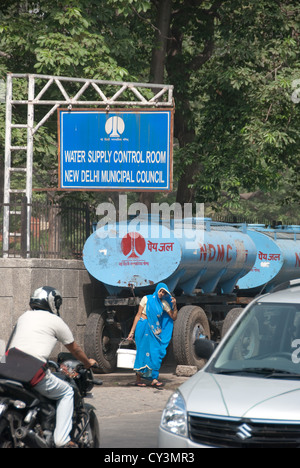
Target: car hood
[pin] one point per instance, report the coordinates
(242, 397)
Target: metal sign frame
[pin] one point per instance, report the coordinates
(128, 157)
(161, 96)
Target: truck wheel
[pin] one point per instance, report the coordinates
(190, 324)
(101, 341)
(230, 318)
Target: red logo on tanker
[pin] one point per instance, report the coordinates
(133, 245)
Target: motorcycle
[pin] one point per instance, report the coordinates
(27, 419)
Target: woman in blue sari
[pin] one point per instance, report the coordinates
(152, 329)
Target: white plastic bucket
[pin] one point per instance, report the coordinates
(126, 358)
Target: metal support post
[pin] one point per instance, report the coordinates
(29, 167)
(7, 165)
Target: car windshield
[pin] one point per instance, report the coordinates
(265, 343)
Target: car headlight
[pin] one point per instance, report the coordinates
(174, 417)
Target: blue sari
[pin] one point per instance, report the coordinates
(153, 335)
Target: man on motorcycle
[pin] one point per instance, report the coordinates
(36, 333)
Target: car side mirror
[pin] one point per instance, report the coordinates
(204, 348)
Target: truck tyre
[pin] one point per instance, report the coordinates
(191, 323)
(230, 318)
(101, 341)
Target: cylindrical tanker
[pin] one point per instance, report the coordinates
(191, 254)
(202, 262)
(277, 261)
(125, 255)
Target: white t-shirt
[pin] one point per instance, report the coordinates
(37, 333)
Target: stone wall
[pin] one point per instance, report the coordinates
(20, 277)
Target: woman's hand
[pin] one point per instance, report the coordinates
(173, 311)
(136, 319)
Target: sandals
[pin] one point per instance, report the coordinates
(158, 385)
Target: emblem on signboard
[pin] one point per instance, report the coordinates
(115, 126)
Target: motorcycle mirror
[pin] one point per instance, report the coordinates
(204, 348)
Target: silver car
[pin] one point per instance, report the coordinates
(248, 393)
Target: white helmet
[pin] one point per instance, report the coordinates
(46, 298)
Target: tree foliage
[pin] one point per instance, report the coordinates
(244, 127)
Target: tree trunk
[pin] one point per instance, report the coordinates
(184, 126)
(157, 71)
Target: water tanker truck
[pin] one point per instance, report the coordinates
(213, 270)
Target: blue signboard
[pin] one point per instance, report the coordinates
(115, 150)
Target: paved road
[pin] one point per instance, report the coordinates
(129, 416)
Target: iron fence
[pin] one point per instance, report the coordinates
(56, 230)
